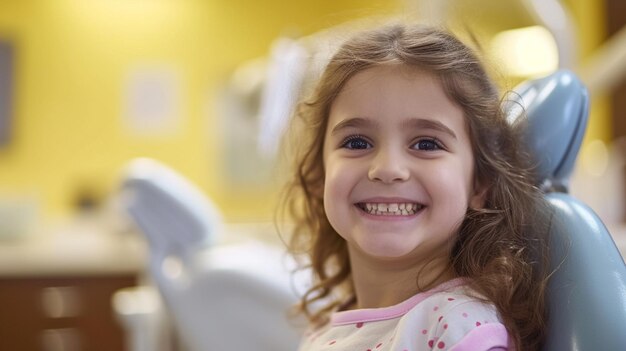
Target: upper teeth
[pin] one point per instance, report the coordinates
(388, 209)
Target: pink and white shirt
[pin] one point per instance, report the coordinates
(444, 318)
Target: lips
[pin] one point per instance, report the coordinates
(390, 208)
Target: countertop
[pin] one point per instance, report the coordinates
(77, 248)
(86, 247)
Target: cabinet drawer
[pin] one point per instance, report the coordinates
(60, 313)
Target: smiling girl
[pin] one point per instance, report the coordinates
(420, 219)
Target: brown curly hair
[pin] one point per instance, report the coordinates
(501, 248)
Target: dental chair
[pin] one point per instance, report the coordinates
(587, 293)
(220, 296)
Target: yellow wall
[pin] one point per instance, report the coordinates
(590, 20)
(73, 57)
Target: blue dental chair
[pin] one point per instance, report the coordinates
(587, 293)
(221, 301)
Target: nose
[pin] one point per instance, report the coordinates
(389, 166)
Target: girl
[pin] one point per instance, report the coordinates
(414, 204)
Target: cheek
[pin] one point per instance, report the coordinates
(339, 178)
(452, 188)
(336, 193)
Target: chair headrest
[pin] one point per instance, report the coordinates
(171, 211)
(557, 109)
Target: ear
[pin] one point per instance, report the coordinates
(478, 198)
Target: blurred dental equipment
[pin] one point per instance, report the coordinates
(220, 296)
(285, 77)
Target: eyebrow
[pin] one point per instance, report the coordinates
(424, 123)
(414, 123)
(354, 123)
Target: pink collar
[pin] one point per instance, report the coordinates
(383, 313)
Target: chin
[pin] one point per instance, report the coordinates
(387, 253)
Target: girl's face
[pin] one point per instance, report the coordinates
(399, 165)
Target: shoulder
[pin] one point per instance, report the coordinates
(456, 320)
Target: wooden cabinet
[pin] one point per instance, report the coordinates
(56, 313)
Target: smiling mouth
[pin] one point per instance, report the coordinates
(390, 209)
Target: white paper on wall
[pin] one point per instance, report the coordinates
(153, 101)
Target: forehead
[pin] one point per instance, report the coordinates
(399, 92)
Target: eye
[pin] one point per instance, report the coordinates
(428, 144)
(356, 142)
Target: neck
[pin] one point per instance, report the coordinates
(383, 283)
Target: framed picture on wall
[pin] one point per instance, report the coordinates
(6, 90)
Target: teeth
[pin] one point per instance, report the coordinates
(391, 209)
